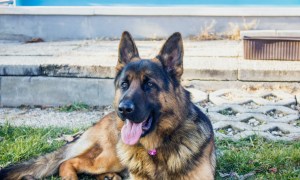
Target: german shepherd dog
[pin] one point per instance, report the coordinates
(156, 132)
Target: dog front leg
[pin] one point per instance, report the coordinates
(67, 170)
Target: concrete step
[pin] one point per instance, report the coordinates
(58, 73)
(204, 60)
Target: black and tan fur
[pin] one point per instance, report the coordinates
(150, 88)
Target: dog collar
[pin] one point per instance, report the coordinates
(152, 152)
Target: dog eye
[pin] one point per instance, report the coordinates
(149, 84)
(124, 85)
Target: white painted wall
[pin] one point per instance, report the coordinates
(62, 23)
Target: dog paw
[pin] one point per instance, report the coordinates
(109, 176)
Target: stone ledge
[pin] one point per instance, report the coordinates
(50, 91)
(201, 68)
(270, 33)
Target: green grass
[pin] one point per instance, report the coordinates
(22, 143)
(74, 107)
(242, 157)
(260, 156)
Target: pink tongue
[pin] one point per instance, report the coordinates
(131, 132)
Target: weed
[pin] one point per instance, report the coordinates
(235, 29)
(228, 112)
(74, 107)
(207, 32)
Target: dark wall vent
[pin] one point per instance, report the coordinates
(272, 48)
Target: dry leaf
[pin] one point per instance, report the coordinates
(235, 175)
(246, 176)
(273, 170)
(35, 40)
(224, 174)
(69, 138)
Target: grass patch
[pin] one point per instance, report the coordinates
(74, 107)
(228, 112)
(267, 159)
(22, 143)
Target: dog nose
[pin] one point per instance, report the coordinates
(126, 107)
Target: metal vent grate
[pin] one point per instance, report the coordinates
(272, 48)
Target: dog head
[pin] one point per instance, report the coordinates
(145, 88)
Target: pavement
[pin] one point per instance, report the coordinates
(241, 97)
(238, 114)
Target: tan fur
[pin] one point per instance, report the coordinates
(206, 168)
(101, 157)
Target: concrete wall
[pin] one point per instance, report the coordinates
(60, 27)
(50, 91)
(63, 23)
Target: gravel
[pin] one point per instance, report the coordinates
(51, 117)
(253, 122)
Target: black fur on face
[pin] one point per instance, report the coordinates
(139, 81)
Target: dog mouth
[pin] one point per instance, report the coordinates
(131, 132)
(146, 126)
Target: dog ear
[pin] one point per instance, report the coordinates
(127, 50)
(171, 55)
